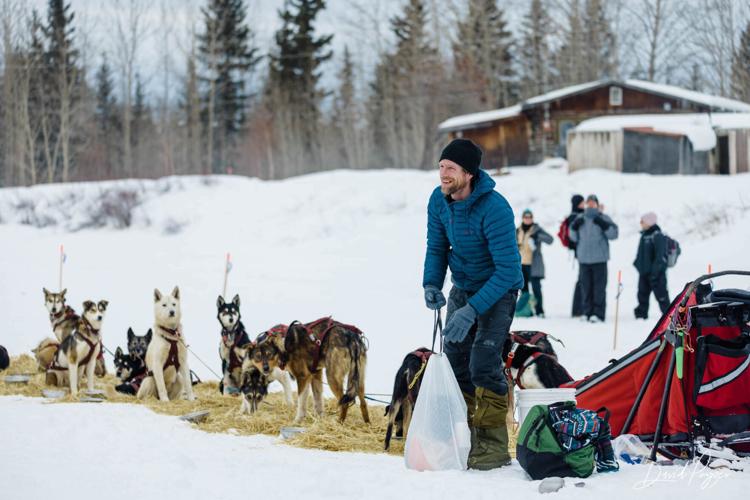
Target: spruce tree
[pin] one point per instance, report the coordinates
(535, 52)
(741, 67)
(599, 42)
(107, 118)
(61, 63)
(483, 54)
(345, 112)
(405, 103)
(570, 58)
(228, 55)
(294, 74)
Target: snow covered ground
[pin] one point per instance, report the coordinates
(345, 243)
(125, 452)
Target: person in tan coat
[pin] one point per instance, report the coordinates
(530, 237)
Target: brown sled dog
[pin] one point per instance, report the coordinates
(62, 317)
(338, 348)
(78, 353)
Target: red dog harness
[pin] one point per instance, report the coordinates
(61, 317)
(54, 366)
(234, 360)
(172, 357)
(318, 340)
(517, 341)
(275, 331)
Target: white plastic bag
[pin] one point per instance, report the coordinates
(438, 437)
(630, 449)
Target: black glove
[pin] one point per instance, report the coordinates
(599, 221)
(578, 222)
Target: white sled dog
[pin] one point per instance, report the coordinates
(81, 347)
(166, 357)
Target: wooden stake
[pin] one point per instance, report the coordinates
(617, 308)
(62, 259)
(227, 267)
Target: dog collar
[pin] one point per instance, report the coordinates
(175, 332)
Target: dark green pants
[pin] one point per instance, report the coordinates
(477, 361)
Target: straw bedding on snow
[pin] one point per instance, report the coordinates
(322, 433)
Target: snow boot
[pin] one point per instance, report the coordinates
(489, 449)
(471, 406)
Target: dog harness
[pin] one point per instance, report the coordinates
(54, 366)
(172, 357)
(318, 339)
(278, 330)
(275, 331)
(519, 340)
(424, 356)
(239, 340)
(61, 317)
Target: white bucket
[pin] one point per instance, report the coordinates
(527, 398)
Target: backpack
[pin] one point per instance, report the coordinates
(564, 233)
(563, 441)
(673, 250)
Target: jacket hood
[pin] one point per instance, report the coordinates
(482, 185)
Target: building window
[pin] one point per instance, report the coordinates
(615, 96)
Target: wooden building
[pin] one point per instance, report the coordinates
(687, 143)
(536, 128)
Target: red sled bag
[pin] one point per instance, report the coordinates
(722, 375)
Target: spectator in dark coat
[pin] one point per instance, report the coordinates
(591, 231)
(530, 237)
(576, 209)
(651, 263)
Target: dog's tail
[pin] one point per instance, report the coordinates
(356, 353)
(291, 338)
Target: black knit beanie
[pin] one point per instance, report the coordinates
(575, 201)
(465, 153)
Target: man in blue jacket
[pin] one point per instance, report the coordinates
(470, 228)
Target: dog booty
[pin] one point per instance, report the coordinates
(4, 359)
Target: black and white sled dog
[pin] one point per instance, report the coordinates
(254, 387)
(138, 345)
(233, 346)
(166, 357)
(131, 367)
(405, 392)
(79, 351)
(532, 361)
